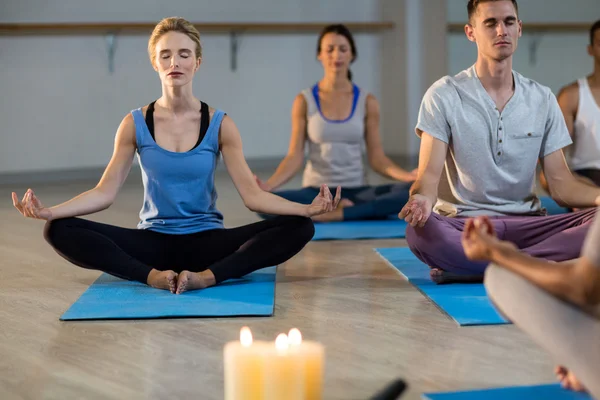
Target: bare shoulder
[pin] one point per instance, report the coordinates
(569, 94)
(126, 131)
(372, 104)
(229, 134)
(299, 106)
(227, 122)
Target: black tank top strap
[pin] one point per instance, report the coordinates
(204, 122)
(150, 118)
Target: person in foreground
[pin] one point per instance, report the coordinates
(336, 117)
(488, 127)
(180, 243)
(556, 303)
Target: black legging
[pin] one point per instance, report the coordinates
(132, 253)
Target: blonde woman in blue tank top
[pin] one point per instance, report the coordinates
(180, 243)
(334, 119)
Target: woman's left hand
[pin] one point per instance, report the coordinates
(324, 202)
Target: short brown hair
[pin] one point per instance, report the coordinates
(473, 4)
(173, 24)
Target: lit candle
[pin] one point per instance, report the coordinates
(284, 372)
(244, 368)
(313, 355)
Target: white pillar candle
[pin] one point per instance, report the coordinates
(284, 372)
(244, 368)
(313, 357)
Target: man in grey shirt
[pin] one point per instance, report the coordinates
(489, 126)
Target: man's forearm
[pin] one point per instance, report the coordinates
(574, 193)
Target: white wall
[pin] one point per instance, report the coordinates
(560, 58)
(411, 56)
(60, 106)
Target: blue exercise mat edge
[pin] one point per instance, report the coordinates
(552, 391)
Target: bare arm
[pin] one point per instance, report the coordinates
(423, 193)
(568, 101)
(294, 158)
(256, 199)
(377, 158)
(563, 186)
(577, 281)
(432, 157)
(101, 196)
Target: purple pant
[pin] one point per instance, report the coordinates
(554, 237)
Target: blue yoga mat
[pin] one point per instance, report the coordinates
(113, 298)
(552, 207)
(391, 228)
(540, 392)
(465, 303)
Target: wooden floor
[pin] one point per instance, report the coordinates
(375, 326)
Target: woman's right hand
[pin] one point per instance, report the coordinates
(31, 206)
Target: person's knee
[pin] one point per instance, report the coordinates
(299, 227)
(305, 228)
(498, 288)
(431, 235)
(56, 229)
(492, 280)
(412, 238)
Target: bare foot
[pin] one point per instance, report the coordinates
(162, 280)
(194, 280)
(568, 379)
(440, 276)
(345, 203)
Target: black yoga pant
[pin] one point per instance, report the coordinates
(132, 253)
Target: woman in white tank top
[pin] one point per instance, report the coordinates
(333, 120)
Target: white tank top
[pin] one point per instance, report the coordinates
(335, 148)
(586, 149)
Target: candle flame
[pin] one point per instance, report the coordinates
(246, 337)
(295, 337)
(281, 343)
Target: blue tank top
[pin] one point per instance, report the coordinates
(179, 188)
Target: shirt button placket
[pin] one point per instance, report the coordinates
(500, 136)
